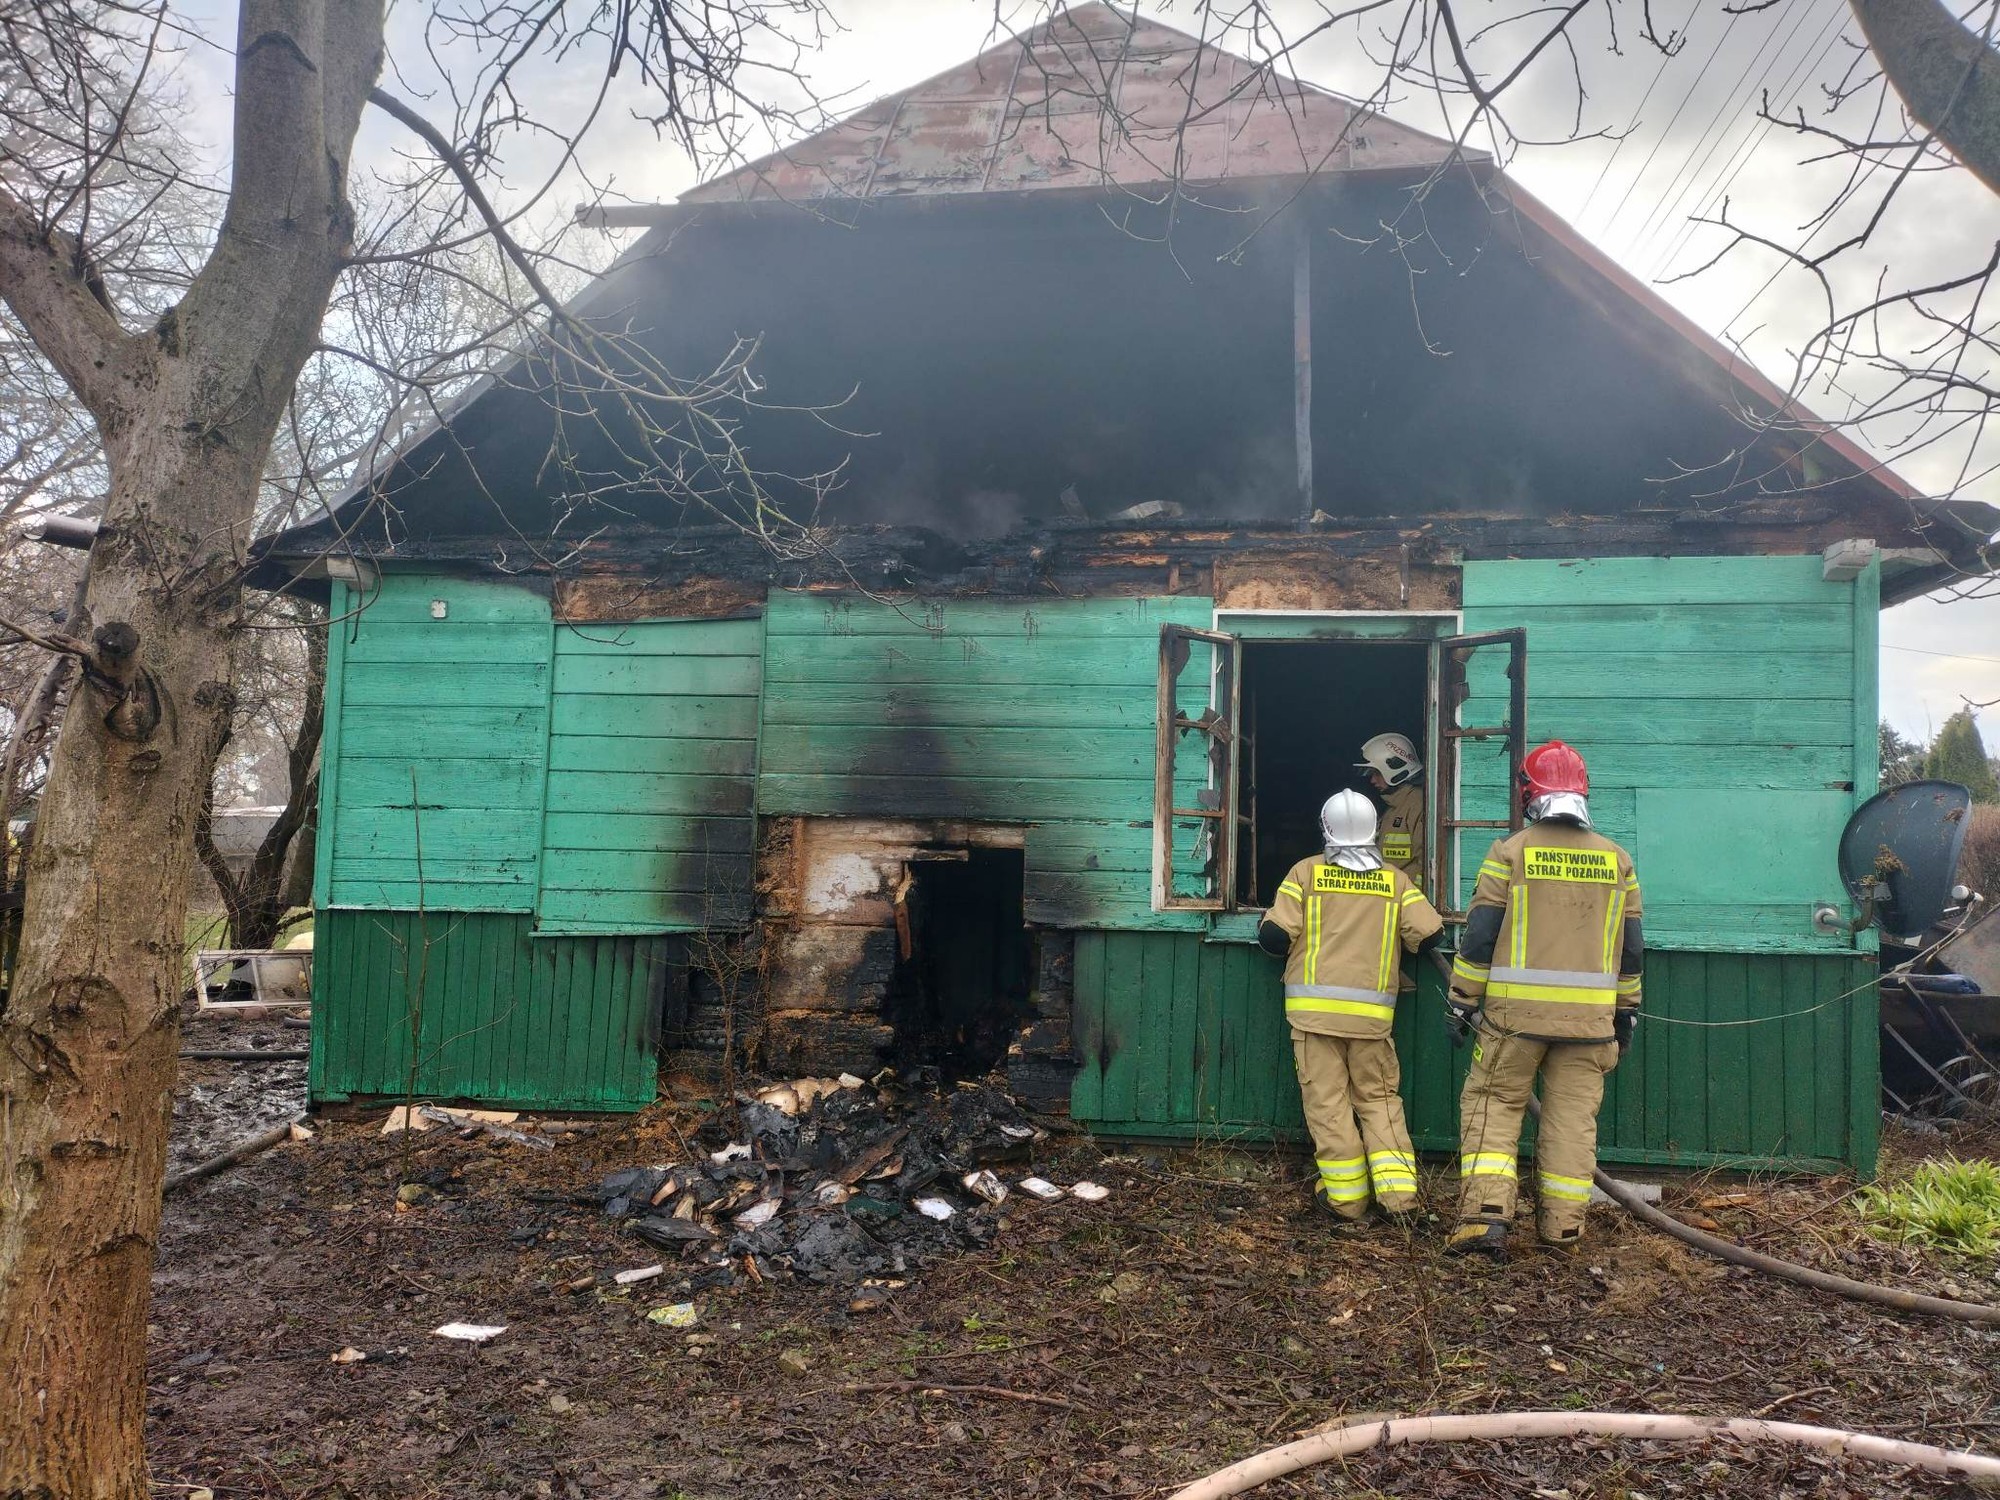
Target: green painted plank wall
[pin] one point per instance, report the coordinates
(1717, 700)
(652, 761)
(502, 1017)
(436, 748)
(1035, 711)
(1179, 1037)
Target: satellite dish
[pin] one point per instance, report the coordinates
(1899, 855)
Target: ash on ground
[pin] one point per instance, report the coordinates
(217, 1103)
(836, 1181)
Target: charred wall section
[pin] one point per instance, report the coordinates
(897, 942)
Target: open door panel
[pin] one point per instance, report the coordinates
(1482, 734)
(1194, 769)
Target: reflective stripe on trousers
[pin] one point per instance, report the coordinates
(1393, 1171)
(1344, 1181)
(1575, 1189)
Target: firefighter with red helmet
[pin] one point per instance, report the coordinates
(1342, 921)
(1547, 977)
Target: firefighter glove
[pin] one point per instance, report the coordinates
(1460, 1020)
(1623, 1024)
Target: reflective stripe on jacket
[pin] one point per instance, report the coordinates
(1348, 930)
(1402, 830)
(1557, 967)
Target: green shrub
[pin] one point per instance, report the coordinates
(1942, 1205)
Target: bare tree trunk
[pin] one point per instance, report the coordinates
(188, 411)
(1947, 76)
(31, 722)
(257, 900)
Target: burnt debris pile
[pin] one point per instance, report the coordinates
(837, 1181)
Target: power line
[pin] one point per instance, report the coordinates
(1670, 200)
(1806, 68)
(1947, 655)
(1637, 115)
(1673, 119)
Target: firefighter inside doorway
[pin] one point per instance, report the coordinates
(1395, 772)
(1342, 920)
(1558, 995)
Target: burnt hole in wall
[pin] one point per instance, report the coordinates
(965, 962)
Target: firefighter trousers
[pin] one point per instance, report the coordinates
(1350, 1089)
(1489, 1128)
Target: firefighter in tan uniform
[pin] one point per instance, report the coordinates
(1393, 768)
(1547, 976)
(1342, 920)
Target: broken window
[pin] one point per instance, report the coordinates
(1307, 708)
(1254, 736)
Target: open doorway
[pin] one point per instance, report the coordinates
(964, 969)
(1306, 708)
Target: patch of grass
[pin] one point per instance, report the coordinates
(1942, 1205)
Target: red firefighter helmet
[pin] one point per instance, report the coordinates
(1554, 767)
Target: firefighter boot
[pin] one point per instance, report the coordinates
(1478, 1237)
(1340, 1218)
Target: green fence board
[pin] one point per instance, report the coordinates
(1726, 758)
(1180, 1037)
(503, 1017)
(1727, 581)
(653, 724)
(436, 747)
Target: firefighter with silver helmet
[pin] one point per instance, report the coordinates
(1341, 921)
(1548, 977)
(1393, 770)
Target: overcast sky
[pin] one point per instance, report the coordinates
(1673, 137)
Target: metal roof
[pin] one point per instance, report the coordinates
(1092, 98)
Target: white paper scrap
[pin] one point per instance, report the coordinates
(471, 1333)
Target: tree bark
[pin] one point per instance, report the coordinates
(187, 411)
(257, 900)
(1947, 77)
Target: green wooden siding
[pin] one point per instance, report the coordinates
(1726, 706)
(652, 757)
(436, 746)
(504, 1017)
(1181, 1038)
(1035, 711)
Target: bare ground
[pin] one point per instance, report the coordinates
(1194, 1317)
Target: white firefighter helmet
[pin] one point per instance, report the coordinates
(1390, 756)
(1347, 823)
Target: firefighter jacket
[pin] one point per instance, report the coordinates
(1348, 929)
(1552, 942)
(1402, 830)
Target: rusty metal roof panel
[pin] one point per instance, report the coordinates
(1091, 99)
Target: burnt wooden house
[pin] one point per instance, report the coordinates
(1166, 447)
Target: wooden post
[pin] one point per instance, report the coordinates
(1302, 368)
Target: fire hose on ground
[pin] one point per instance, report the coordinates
(1377, 1432)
